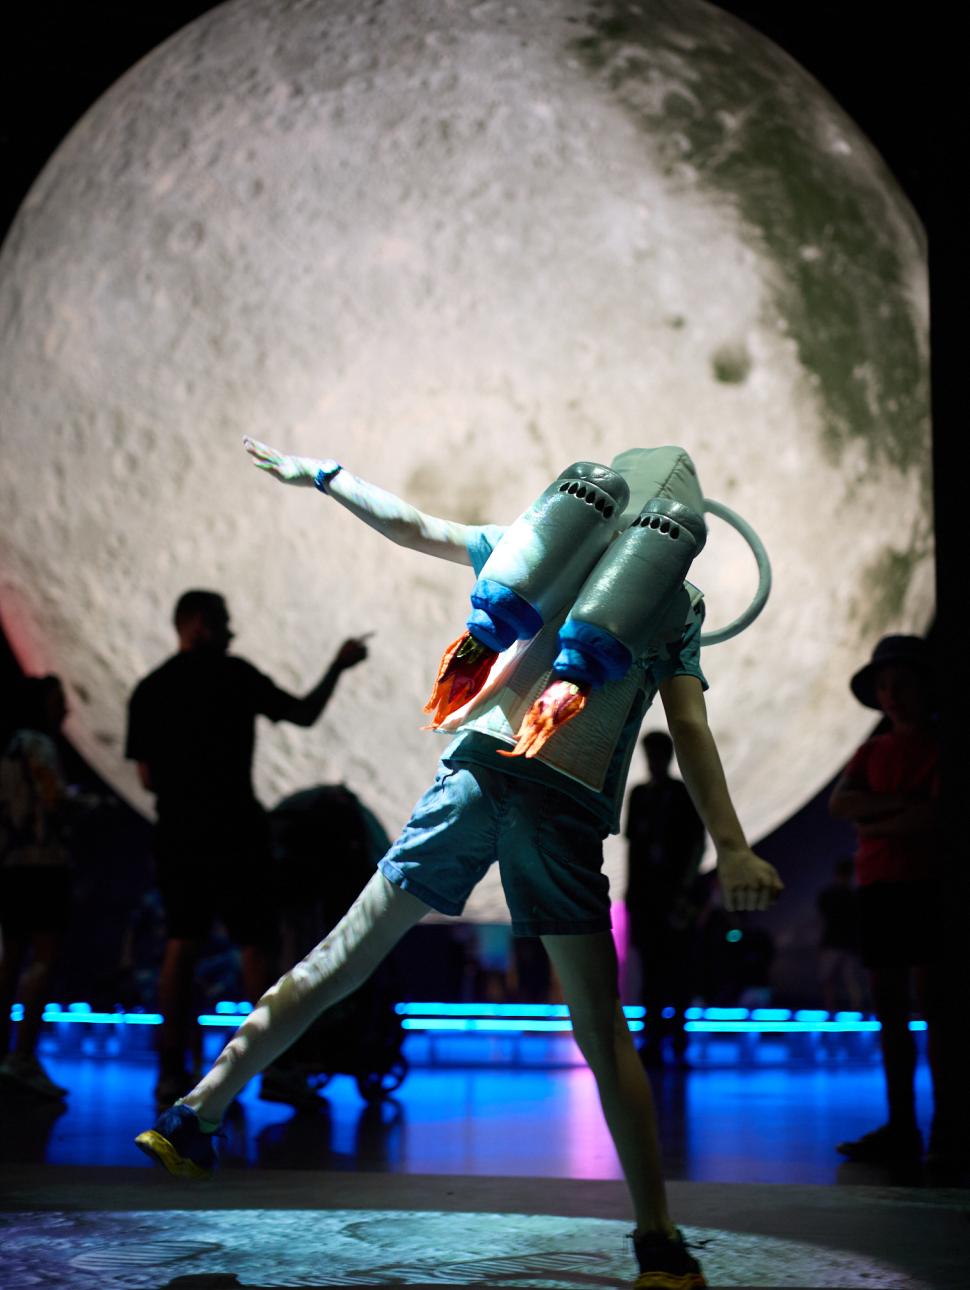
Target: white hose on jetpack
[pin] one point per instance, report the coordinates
(740, 525)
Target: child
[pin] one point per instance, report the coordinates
(545, 828)
(890, 792)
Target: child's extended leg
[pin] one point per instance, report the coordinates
(335, 968)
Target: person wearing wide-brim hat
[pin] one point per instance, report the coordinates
(905, 651)
(890, 792)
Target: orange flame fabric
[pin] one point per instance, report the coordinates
(462, 672)
(557, 705)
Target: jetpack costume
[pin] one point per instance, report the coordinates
(579, 595)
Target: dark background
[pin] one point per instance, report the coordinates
(893, 69)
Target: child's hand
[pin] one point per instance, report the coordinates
(287, 469)
(747, 881)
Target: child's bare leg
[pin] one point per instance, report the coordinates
(587, 969)
(335, 968)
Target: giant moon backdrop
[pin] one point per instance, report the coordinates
(457, 246)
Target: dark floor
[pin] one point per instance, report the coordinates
(468, 1177)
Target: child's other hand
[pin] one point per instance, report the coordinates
(747, 881)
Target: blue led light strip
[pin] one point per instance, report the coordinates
(508, 1010)
(786, 1027)
(514, 1018)
(489, 1025)
(87, 1016)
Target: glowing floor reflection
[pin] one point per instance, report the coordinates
(277, 1248)
(732, 1125)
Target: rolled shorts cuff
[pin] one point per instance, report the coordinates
(559, 927)
(400, 879)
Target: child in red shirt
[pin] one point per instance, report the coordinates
(890, 792)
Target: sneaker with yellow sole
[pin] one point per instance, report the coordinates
(177, 1142)
(665, 1262)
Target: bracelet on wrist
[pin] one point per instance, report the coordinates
(327, 471)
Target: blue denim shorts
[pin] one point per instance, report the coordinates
(549, 851)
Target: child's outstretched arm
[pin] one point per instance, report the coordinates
(389, 515)
(747, 882)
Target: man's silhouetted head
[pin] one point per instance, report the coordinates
(202, 621)
(659, 750)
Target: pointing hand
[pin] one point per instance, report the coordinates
(351, 652)
(287, 469)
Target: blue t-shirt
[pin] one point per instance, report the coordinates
(480, 749)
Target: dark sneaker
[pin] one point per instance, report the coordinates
(27, 1075)
(885, 1146)
(665, 1263)
(176, 1141)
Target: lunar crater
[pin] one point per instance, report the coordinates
(731, 363)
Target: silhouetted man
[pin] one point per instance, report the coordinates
(666, 842)
(191, 729)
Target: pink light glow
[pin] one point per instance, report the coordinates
(618, 918)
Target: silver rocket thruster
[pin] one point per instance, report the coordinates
(635, 596)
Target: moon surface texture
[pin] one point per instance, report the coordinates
(457, 246)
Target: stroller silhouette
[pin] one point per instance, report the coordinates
(327, 844)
